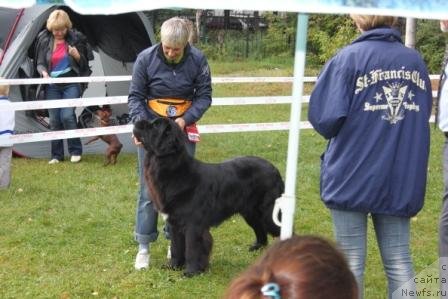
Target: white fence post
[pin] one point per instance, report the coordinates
(288, 200)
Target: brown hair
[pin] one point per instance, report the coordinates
(302, 267)
(58, 19)
(367, 22)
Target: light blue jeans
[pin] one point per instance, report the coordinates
(392, 234)
(63, 119)
(146, 215)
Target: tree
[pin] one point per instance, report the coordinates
(326, 35)
(431, 44)
(198, 17)
(280, 36)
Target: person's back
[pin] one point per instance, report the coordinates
(300, 267)
(373, 102)
(378, 127)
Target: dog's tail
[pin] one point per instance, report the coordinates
(92, 140)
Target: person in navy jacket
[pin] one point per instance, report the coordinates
(372, 101)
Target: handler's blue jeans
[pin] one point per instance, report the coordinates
(63, 119)
(392, 234)
(146, 215)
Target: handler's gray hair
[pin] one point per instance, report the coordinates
(175, 32)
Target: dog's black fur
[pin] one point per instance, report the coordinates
(197, 195)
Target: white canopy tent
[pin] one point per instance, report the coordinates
(429, 9)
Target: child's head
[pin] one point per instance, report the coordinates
(4, 89)
(296, 268)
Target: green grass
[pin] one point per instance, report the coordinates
(279, 66)
(67, 229)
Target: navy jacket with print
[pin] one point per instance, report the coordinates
(154, 78)
(373, 102)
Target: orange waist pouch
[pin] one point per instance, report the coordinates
(169, 107)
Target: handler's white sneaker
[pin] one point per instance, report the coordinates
(75, 159)
(142, 260)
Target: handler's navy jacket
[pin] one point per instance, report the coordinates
(373, 102)
(154, 78)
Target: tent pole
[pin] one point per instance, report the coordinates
(11, 34)
(288, 200)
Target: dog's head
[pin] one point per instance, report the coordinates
(160, 137)
(104, 114)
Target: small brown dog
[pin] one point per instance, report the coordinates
(112, 140)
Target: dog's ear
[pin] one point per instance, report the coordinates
(169, 137)
(141, 132)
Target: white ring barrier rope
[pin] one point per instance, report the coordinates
(82, 102)
(205, 129)
(65, 80)
(92, 79)
(49, 104)
(216, 80)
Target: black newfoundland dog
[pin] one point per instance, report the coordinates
(197, 195)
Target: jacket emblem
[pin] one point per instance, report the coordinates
(393, 98)
(394, 103)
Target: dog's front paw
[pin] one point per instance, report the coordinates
(256, 246)
(195, 269)
(169, 266)
(192, 273)
(176, 264)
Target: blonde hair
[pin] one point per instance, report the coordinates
(4, 89)
(175, 32)
(58, 19)
(367, 22)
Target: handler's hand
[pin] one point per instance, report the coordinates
(181, 122)
(136, 141)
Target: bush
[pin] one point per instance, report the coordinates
(430, 41)
(326, 35)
